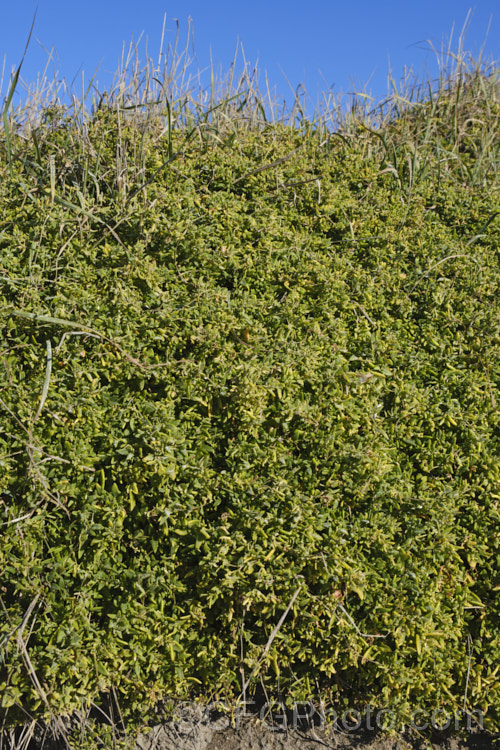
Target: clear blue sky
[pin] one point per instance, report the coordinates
(323, 44)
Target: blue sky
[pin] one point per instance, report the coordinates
(323, 44)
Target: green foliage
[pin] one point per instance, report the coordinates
(275, 367)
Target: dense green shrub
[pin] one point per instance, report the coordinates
(274, 369)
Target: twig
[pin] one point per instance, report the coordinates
(22, 624)
(271, 639)
(267, 166)
(296, 183)
(30, 450)
(242, 668)
(16, 418)
(48, 371)
(313, 737)
(16, 520)
(72, 324)
(90, 215)
(36, 682)
(363, 635)
(448, 257)
(367, 316)
(74, 333)
(31, 670)
(468, 671)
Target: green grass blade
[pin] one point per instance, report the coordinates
(10, 96)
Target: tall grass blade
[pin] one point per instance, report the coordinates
(10, 96)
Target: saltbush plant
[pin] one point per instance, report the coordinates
(250, 368)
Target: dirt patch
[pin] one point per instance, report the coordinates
(197, 727)
(255, 737)
(195, 732)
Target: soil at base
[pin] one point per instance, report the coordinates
(197, 728)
